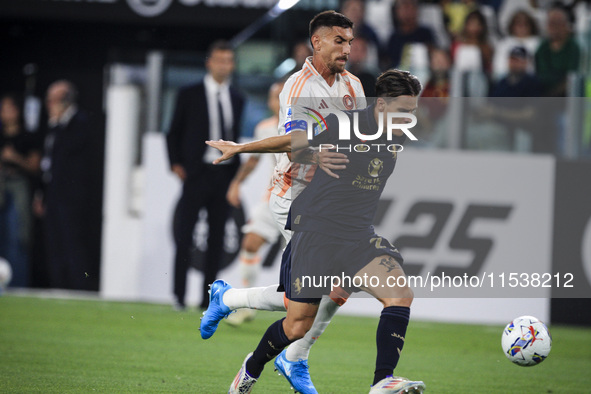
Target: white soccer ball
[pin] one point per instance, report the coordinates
(5, 273)
(526, 341)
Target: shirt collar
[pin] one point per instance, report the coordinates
(66, 116)
(309, 66)
(212, 84)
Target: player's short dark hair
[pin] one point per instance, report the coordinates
(329, 19)
(219, 45)
(394, 83)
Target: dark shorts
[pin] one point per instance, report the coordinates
(311, 260)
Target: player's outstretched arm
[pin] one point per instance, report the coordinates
(278, 144)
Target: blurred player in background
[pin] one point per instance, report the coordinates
(261, 227)
(324, 83)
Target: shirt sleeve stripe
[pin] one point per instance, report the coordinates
(299, 79)
(300, 88)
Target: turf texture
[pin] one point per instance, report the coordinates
(52, 345)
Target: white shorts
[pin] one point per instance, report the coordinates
(280, 209)
(261, 222)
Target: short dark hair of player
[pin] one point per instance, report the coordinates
(394, 83)
(219, 45)
(329, 19)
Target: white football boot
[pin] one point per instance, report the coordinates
(243, 382)
(397, 385)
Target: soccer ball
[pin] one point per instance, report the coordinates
(5, 274)
(526, 341)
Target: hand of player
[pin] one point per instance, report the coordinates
(328, 161)
(233, 194)
(229, 149)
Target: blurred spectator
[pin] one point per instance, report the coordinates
(20, 155)
(406, 31)
(534, 8)
(558, 54)
(438, 84)
(518, 82)
(432, 125)
(72, 167)
(355, 10)
(208, 110)
(475, 33)
(510, 109)
(494, 4)
(299, 53)
(455, 13)
(523, 31)
(358, 65)
(439, 81)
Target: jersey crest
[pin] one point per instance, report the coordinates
(375, 167)
(348, 102)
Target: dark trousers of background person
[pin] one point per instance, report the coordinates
(72, 243)
(15, 227)
(206, 190)
(12, 247)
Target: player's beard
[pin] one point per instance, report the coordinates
(337, 67)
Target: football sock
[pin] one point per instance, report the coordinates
(300, 349)
(390, 339)
(263, 298)
(271, 344)
(249, 267)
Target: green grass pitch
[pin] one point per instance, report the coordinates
(74, 346)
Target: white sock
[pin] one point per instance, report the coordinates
(262, 298)
(300, 349)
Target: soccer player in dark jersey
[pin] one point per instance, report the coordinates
(334, 235)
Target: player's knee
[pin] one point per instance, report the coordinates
(297, 329)
(401, 296)
(406, 296)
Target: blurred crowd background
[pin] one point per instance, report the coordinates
(468, 54)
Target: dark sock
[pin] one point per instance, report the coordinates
(390, 340)
(272, 343)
